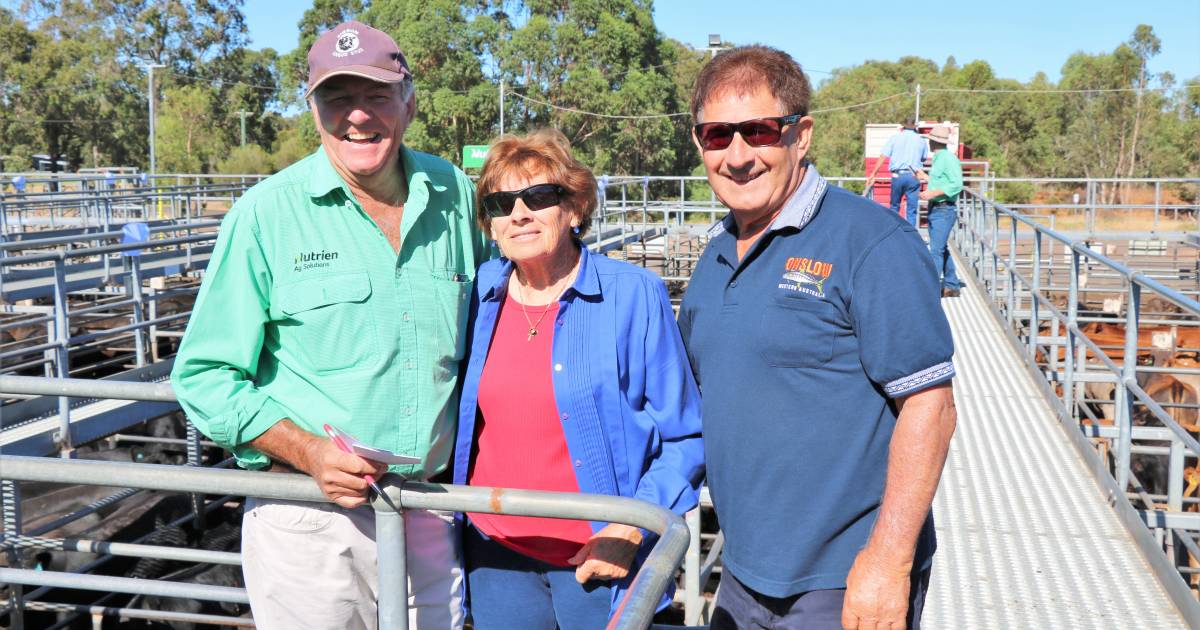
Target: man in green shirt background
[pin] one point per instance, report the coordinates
(944, 183)
(338, 293)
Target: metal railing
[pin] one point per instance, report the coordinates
(1055, 344)
(635, 611)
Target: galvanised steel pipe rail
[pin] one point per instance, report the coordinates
(636, 610)
(978, 238)
(98, 236)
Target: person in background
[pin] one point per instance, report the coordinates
(906, 152)
(337, 294)
(945, 181)
(826, 419)
(577, 382)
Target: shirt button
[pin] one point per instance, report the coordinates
(578, 463)
(408, 365)
(408, 411)
(349, 203)
(405, 316)
(733, 284)
(564, 416)
(557, 367)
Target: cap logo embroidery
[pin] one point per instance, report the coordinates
(347, 44)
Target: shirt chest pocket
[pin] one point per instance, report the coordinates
(453, 293)
(797, 332)
(328, 324)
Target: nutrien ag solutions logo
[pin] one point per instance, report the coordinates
(347, 44)
(313, 260)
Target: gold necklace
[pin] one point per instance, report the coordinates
(533, 326)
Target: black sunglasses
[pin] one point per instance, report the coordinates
(536, 197)
(759, 132)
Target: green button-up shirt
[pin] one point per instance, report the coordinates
(945, 174)
(306, 312)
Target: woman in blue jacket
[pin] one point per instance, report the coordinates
(577, 381)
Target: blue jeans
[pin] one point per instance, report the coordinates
(908, 186)
(942, 218)
(509, 590)
(741, 608)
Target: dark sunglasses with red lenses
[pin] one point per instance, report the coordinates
(759, 132)
(536, 197)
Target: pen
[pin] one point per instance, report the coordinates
(345, 448)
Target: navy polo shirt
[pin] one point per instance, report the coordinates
(800, 349)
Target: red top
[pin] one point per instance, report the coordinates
(519, 441)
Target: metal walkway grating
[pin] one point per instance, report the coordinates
(1025, 537)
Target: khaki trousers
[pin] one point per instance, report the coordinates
(313, 566)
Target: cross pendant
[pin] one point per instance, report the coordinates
(532, 334)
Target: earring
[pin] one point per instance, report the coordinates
(574, 229)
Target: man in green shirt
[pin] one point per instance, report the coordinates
(944, 183)
(338, 294)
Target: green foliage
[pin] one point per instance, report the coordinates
(184, 142)
(73, 84)
(249, 159)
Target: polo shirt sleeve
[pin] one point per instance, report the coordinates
(904, 339)
(215, 368)
(672, 401)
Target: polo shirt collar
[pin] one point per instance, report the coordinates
(325, 179)
(587, 281)
(797, 211)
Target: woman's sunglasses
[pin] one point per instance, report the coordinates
(537, 197)
(759, 132)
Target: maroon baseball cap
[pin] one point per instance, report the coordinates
(355, 49)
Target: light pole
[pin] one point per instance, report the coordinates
(241, 113)
(714, 44)
(150, 97)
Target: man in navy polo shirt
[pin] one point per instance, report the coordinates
(825, 424)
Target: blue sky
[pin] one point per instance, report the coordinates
(1017, 37)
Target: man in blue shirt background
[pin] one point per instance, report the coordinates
(825, 425)
(906, 153)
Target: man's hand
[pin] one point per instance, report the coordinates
(607, 554)
(870, 185)
(921, 175)
(877, 591)
(339, 474)
(926, 195)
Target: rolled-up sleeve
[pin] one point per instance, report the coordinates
(673, 402)
(214, 372)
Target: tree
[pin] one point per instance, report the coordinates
(182, 133)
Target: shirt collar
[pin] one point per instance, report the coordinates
(797, 211)
(587, 281)
(325, 179)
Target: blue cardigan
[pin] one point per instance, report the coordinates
(622, 383)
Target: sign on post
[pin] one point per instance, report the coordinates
(473, 155)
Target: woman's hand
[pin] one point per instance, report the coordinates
(607, 554)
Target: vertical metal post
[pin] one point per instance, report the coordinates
(1012, 272)
(62, 336)
(1124, 399)
(1068, 395)
(693, 602)
(1035, 324)
(1157, 200)
(152, 306)
(135, 290)
(1175, 475)
(502, 107)
(150, 97)
(187, 221)
(392, 556)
